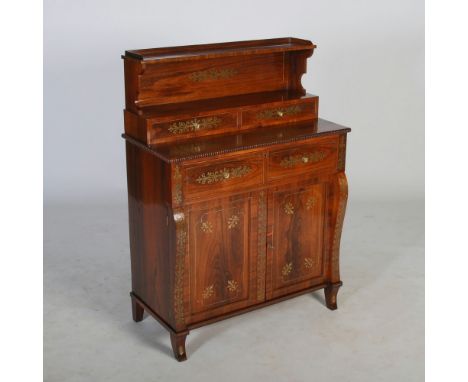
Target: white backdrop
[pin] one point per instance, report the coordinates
(368, 70)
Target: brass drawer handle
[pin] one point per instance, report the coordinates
(223, 174)
(293, 160)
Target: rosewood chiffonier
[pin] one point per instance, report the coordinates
(236, 189)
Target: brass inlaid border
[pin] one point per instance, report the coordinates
(213, 74)
(261, 250)
(223, 174)
(294, 160)
(181, 248)
(194, 124)
(177, 181)
(279, 112)
(342, 200)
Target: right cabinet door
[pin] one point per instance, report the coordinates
(296, 238)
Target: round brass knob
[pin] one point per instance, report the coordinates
(280, 113)
(305, 159)
(226, 174)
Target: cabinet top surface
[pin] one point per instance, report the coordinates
(258, 138)
(190, 52)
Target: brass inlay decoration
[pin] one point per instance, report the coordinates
(223, 174)
(341, 153)
(289, 208)
(194, 124)
(213, 74)
(294, 160)
(208, 292)
(181, 240)
(261, 250)
(309, 262)
(177, 186)
(287, 269)
(335, 250)
(206, 227)
(279, 112)
(310, 202)
(233, 221)
(232, 286)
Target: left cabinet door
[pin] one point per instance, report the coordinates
(223, 252)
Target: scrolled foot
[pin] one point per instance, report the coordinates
(331, 292)
(178, 346)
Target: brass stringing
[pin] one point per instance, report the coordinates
(206, 227)
(310, 202)
(308, 262)
(232, 285)
(213, 74)
(194, 125)
(287, 269)
(223, 174)
(289, 208)
(261, 238)
(293, 160)
(181, 238)
(208, 292)
(279, 113)
(233, 221)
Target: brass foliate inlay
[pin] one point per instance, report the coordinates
(223, 174)
(194, 124)
(310, 202)
(206, 227)
(309, 262)
(208, 292)
(287, 269)
(213, 74)
(232, 286)
(233, 221)
(289, 208)
(279, 113)
(294, 160)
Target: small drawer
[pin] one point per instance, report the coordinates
(189, 127)
(284, 113)
(223, 176)
(313, 159)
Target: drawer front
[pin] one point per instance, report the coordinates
(223, 176)
(284, 113)
(189, 127)
(315, 158)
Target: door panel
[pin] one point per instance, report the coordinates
(223, 256)
(296, 239)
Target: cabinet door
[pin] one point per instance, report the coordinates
(223, 256)
(296, 224)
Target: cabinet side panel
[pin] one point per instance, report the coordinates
(151, 255)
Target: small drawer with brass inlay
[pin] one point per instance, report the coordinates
(196, 126)
(225, 175)
(315, 159)
(288, 111)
